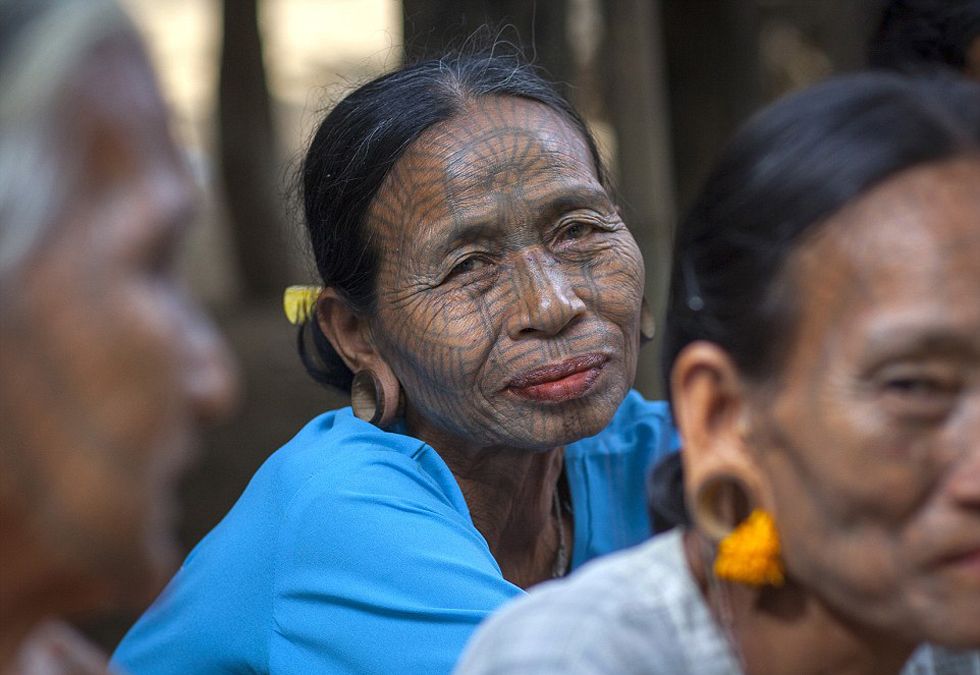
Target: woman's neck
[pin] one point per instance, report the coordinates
(787, 630)
(511, 495)
(33, 589)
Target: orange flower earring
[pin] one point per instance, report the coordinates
(751, 553)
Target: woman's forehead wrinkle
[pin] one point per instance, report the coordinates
(917, 335)
(410, 197)
(512, 172)
(922, 248)
(509, 130)
(926, 288)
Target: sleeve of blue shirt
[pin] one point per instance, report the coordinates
(344, 558)
(387, 580)
(352, 551)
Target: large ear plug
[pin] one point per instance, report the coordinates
(749, 549)
(376, 397)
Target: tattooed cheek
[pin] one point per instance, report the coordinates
(391, 307)
(457, 305)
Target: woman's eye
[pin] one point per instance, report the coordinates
(912, 386)
(160, 258)
(468, 265)
(921, 396)
(920, 386)
(577, 231)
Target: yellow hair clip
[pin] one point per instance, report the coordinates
(298, 301)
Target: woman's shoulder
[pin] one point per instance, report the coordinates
(339, 478)
(636, 410)
(635, 611)
(607, 477)
(340, 464)
(636, 406)
(337, 436)
(932, 660)
(339, 533)
(639, 425)
(341, 451)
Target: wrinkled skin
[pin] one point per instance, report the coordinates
(108, 368)
(501, 252)
(870, 441)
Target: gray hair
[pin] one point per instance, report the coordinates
(44, 41)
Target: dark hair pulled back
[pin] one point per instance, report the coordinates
(359, 141)
(789, 169)
(784, 174)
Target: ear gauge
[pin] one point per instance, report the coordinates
(648, 326)
(720, 502)
(376, 397)
(749, 549)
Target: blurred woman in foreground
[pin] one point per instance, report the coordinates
(107, 367)
(823, 345)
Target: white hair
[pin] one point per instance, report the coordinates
(41, 54)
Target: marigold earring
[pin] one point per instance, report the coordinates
(648, 326)
(750, 554)
(376, 398)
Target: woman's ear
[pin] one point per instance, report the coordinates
(722, 481)
(376, 394)
(346, 331)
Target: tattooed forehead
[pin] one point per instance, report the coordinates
(503, 140)
(503, 160)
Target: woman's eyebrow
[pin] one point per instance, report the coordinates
(916, 340)
(586, 196)
(484, 227)
(459, 233)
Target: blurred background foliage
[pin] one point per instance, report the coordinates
(662, 82)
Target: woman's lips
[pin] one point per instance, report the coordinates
(966, 561)
(563, 381)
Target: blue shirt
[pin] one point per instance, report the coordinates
(352, 551)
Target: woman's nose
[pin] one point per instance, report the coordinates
(211, 374)
(545, 299)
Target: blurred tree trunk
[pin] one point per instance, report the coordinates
(248, 152)
(635, 90)
(431, 25)
(715, 81)
(840, 28)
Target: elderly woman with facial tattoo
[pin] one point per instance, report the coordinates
(823, 344)
(107, 367)
(482, 301)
